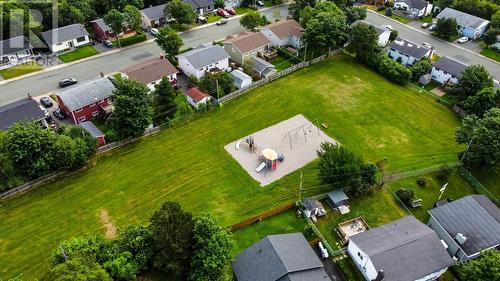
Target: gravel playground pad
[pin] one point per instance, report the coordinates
(296, 138)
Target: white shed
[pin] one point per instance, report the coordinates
(241, 80)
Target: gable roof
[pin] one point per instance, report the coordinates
(407, 47)
(261, 65)
(239, 76)
(311, 204)
(154, 12)
(285, 28)
(150, 70)
(102, 25)
(451, 66)
(279, 257)
(22, 110)
(337, 196)
(248, 41)
(416, 4)
(14, 45)
(195, 4)
(476, 217)
(205, 55)
(65, 33)
(463, 19)
(405, 249)
(86, 93)
(197, 95)
(91, 128)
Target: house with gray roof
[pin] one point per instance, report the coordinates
(15, 50)
(414, 8)
(201, 7)
(66, 37)
(241, 80)
(87, 100)
(402, 250)
(25, 110)
(284, 257)
(468, 25)
(203, 59)
(262, 68)
(467, 226)
(153, 16)
(447, 70)
(408, 52)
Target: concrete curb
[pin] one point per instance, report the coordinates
(436, 38)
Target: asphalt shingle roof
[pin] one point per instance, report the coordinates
(155, 12)
(462, 18)
(91, 128)
(249, 41)
(417, 4)
(65, 33)
(239, 76)
(337, 196)
(102, 25)
(260, 65)
(27, 110)
(205, 55)
(86, 93)
(279, 257)
(14, 45)
(285, 28)
(407, 47)
(150, 70)
(476, 217)
(405, 249)
(451, 66)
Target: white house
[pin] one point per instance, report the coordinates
(66, 37)
(402, 250)
(197, 97)
(447, 70)
(408, 52)
(383, 33)
(15, 50)
(468, 25)
(313, 208)
(241, 80)
(153, 16)
(203, 59)
(497, 44)
(151, 72)
(284, 33)
(246, 45)
(415, 8)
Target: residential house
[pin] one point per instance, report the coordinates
(468, 25)
(66, 37)
(203, 59)
(103, 31)
(87, 100)
(94, 132)
(402, 250)
(154, 16)
(447, 70)
(313, 208)
(467, 225)
(279, 257)
(15, 50)
(497, 43)
(151, 72)
(262, 68)
(197, 97)
(414, 8)
(246, 45)
(25, 110)
(383, 33)
(284, 33)
(408, 52)
(201, 7)
(241, 80)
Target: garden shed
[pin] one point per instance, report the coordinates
(338, 200)
(313, 207)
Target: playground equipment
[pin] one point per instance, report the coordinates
(269, 157)
(300, 130)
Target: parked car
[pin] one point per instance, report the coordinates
(260, 3)
(463, 40)
(425, 44)
(59, 114)
(425, 25)
(67, 82)
(221, 12)
(388, 27)
(201, 20)
(221, 22)
(107, 43)
(153, 31)
(45, 101)
(231, 11)
(323, 251)
(433, 26)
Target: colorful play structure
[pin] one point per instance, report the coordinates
(268, 156)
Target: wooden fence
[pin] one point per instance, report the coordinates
(31, 184)
(261, 216)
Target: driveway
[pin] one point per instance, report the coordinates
(330, 266)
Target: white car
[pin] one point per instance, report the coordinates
(323, 251)
(388, 27)
(433, 26)
(260, 3)
(425, 44)
(154, 31)
(463, 40)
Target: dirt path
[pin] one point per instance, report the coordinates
(107, 223)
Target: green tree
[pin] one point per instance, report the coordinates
(115, 19)
(170, 42)
(484, 268)
(474, 79)
(88, 247)
(354, 14)
(133, 109)
(223, 80)
(164, 101)
(393, 35)
(490, 37)
(132, 16)
(71, 14)
(495, 21)
(122, 267)
(180, 11)
(481, 102)
(485, 148)
(9, 177)
(446, 28)
(251, 20)
(296, 7)
(364, 41)
(173, 239)
(305, 15)
(420, 68)
(212, 249)
(137, 240)
(443, 3)
(394, 71)
(327, 28)
(406, 195)
(79, 269)
(219, 4)
(77, 132)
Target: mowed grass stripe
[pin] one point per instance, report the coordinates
(188, 164)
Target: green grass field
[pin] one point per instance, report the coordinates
(79, 53)
(280, 63)
(188, 163)
(491, 53)
(19, 70)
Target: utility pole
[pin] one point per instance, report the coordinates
(305, 53)
(300, 185)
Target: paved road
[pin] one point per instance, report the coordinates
(443, 48)
(46, 82)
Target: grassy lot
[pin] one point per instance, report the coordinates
(79, 53)
(396, 17)
(242, 10)
(491, 53)
(19, 70)
(281, 63)
(490, 180)
(427, 19)
(432, 85)
(212, 17)
(188, 163)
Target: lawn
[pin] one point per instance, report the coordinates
(395, 17)
(491, 53)
(365, 112)
(490, 180)
(79, 53)
(432, 85)
(212, 17)
(426, 19)
(281, 63)
(19, 70)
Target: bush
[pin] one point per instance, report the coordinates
(394, 71)
(309, 233)
(394, 34)
(422, 181)
(133, 40)
(112, 136)
(193, 81)
(406, 195)
(388, 12)
(444, 172)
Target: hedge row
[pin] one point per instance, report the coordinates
(140, 37)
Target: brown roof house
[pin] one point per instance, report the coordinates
(284, 33)
(246, 45)
(151, 72)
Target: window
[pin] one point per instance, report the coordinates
(95, 113)
(92, 104)
(101, 101)
(59, 44)
(79, 110)
(81, 39)
(81, 119)
(445, 72)
(360, 255)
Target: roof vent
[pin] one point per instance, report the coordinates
(410, 45)
(460, 238)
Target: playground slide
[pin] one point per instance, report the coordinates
(238, 145)
(261, 167)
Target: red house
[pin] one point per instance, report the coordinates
(94, 131)
(103, 31)
(85, 101)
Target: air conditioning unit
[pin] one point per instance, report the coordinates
(460, 238)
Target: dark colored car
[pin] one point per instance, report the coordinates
(67, 82)
(107, 43)
(260, 3)
(231, 11)
(59, 114)
(221, 22)
(45, 101)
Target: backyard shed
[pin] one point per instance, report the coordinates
(241, 80)
(94, 132)
(337, 198)
(313, 207)
(425, 79)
